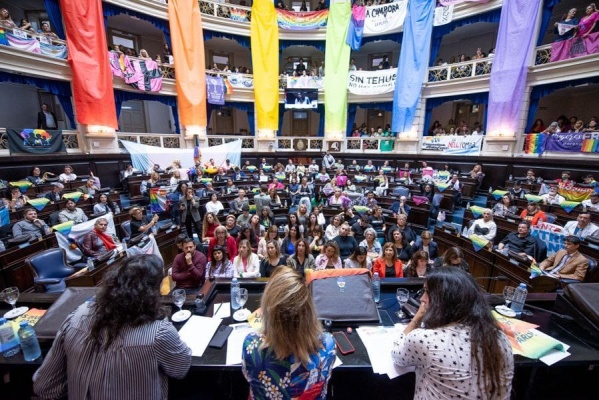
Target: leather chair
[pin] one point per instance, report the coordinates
(18, 240)
(50, 269)
(125, 231)
(592, 275)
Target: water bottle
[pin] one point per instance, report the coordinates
(9, 342)
(29, 343)
(519, 298)
(200, 304)
(511, 177)
(234, 290)
(90, 264)
(465, 232)
(468, 206)
(376, 287)
(490, 189)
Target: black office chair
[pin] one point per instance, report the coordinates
(50, 269)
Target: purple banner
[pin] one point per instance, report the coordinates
(515, 41)
(216, 90)
(575, 47)
(564, 142)
(445, 3)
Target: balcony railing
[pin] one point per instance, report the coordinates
(543, 55)
(223, 10)
(369, 144)
(465, 69)
(169, 141)
(299, 143)
(247, 143)
(25, 40)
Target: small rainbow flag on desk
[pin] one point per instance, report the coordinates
(39, 204)
(361, 209)
(64, 228)
(280, 176)
(75, 196)
(477, 211)
(22, 185)
(533, 198)
(442, 186)
(205, 180)
(569, 205)
(251, 168)
(360, 178)
(497, 194)
(535, 270)
(478, 242)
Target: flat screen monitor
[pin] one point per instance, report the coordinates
(301, 98)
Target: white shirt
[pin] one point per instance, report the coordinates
(50, 122)
(548, 199)
(482, 224)
(588, 204)
(571, 226)
(214, 207)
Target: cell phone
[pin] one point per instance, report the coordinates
(220, 337)
(386, 319)
(343, 343)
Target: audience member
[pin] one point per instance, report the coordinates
(566, 27)
(89, 188)
(223, 239)
(591, 204)
(219, 265)
(484, 227)
(246, 264)
(552, 197)
(426, 243)
(67, 175)
(72, 213)
(388, 265)
(329, 258)
(17, 199)
(46, 119)
(504, 207)
(141, 223)
(419, 266)
(567, 263)
(97, 242)
(301, 259)
(453, 257)
(521, 242)
(582, 227)
(30, 225)
(533, 214)
(347, 244)
(272, 260)
(359, 259)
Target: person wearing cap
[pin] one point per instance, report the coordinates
(567, 263)
(516, 191)
(533, 214)
(552, 197)
(582, 227)
(591, 204)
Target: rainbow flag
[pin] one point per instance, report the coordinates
(355, 31)
(3, 40)
(590, 143)
(238, 14)
(228, 86)
(535, 270)
(75, 196)
(361, 209)
(205, 180)
(533, 198)
(252, 209)
(302, 21)
(534, 143)
(575, 192)
(387, 170)
(22, 185)
(569, 205)
(158, 201)
(444, 175)
(39, 204)
(280, 176)
(4, 216)
(497, 194)
(478, 242)
(251, 168)
(477, 211)
(360, 178)
(64, 228)
(442, 186)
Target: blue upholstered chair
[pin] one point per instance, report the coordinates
(50, 269)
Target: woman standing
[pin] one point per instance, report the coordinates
(388, 265)
(122, 333)
(455, 316)
(329, 258)
(302, 259)
(588, 22)
(291, 356)
(504, 207)
(246, 264)
(190, 213)
(219, 265)
(272, 260)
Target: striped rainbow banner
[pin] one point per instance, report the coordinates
(22, 185)
(39, 204)
(302, 21)
(590, 143)
(442, 186)
(238, 14)
(534, 143)
(533, 198)
(64, 228)
(75, 196)
(158, 201)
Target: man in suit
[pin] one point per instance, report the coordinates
(567, 263)
(582, 227)
(46, 119)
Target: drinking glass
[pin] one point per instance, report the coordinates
(403, 295)
(341, 283)
(241, 297)
(179, 296)
(508, 295)
(10, 295)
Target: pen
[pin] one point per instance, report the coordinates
(216, 312)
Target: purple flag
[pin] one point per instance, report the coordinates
(215, 87)
(569, 142)
(355, 29)
(515, 40)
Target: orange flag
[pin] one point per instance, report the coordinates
(187, 40)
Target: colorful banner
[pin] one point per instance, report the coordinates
(534, 143)
(22, 185)
(264, 33)
(54, 50)
(575, 47)
(302, 21)
(187, 39)
(305, 82)
(590, 143)
(568, 206)
(478, 242)
(38, 141)
(497, 194)
(564, 142)
(372, 83)
(64, 228)
(477, 211)
(215, 89)
(75, 196)
(39, 203)
(443, 15)
(454, 2)
(355, 31)
(158, 200)
(457, 145)
(385, 18)
(33, 45)
(141, 74)
(26, 44)
(241, 81)
(533, 198)
(92, 81)
(552, 235)
(238, 14)
(575, 192)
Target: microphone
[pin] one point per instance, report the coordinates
(493, 278)
(561, 316)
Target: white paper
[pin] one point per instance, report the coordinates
(337, 362)
(554, 355)
(378, 341)
(197, 333)
(235, 342)
(222, 310)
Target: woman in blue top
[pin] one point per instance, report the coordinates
(291, 357)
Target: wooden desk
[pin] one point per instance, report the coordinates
(86, 278)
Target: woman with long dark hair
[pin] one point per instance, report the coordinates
(123, 333)
(460, 351)
(219, 265)
(104, 206)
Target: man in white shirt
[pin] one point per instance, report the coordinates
(582, 227)
(552, 197)
(67, 175)
(484, 227)
(46, 119)
(328, 161)
(290, 168)
(592, 204)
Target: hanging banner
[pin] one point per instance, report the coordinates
(590, 142)
(302, 21)
(534, 143)
(37, 141)
(355, 31)
(241, 81)
(454, 2)
(238, 14)
(305, 82)
(26, 44)
(443, 15)
(385, 18)
(575, 192)
(372, 82)
(141, 74)
(216, 90)
(575, 47)
(456, 145)
(564, 142)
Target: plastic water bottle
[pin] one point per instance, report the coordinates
(29, 343)
(468, 206)
(90, 264)
(234, 290)
(465, 232)
(519, 298)
(511, 177)
(490, 189)
(376, 287)
(9, 342)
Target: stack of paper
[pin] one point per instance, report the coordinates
(378, 341)
(197, 333)
(235, 342)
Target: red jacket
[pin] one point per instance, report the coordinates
(231, 247)
(380, 266)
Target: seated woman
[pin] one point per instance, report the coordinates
(504, 207)
(329, 258)
(246, 233)
(317, 240)
(459, 330)
(267, 218)
(271, 233)
(273, 259)
(145, 185)
(388, 265)
(209, 225)
(291, 356)
(533, 214)
(371, 244)
(359, 259)
(214, 205)
(453, 257)
(231, 225)
(301, 259)
(419, 266)
(382, 183)
(246, 264)
(219, 265)
(37, 178)
(17, 199)
(402, 247)
(425, 243)
(332, 230)
(256, 227)
(292, 237)
(223, 239)
(97, 242)
(104, 206)
(230, 187)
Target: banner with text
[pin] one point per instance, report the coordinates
(564, 142)
(302, 21)
(443, 15)
(241, 81)
(38, 141)
(553, 236)
(590, 142)
(215, 88)
(575, 47)
(575, 192)
(456, 145)
(305, 82)
(372, 82)
(385, 18)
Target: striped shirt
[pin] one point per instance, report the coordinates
(136, 366)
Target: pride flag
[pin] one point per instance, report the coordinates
(569, 205)
(228, 86)
(197, 154)
(39, 203)
(75, 196)
(534, 143)
(302, 21)
(238, 14)
(533, 198)
(477, 211)
(158, 200)
(590, 143)
(3, 40)
(442, 186)
(356, 27)
(22, 185)
(497, 194)
(535, 270)
(478, 242)
(64, 228)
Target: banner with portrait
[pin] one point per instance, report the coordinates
(37, 141)
(455, 145)
(215, 89)
(372, 82)
(385, 17)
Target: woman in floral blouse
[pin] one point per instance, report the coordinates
(291, 358)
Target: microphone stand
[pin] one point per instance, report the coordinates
(560, 316)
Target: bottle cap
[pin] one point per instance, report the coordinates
(24, 324)
(2, 320)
